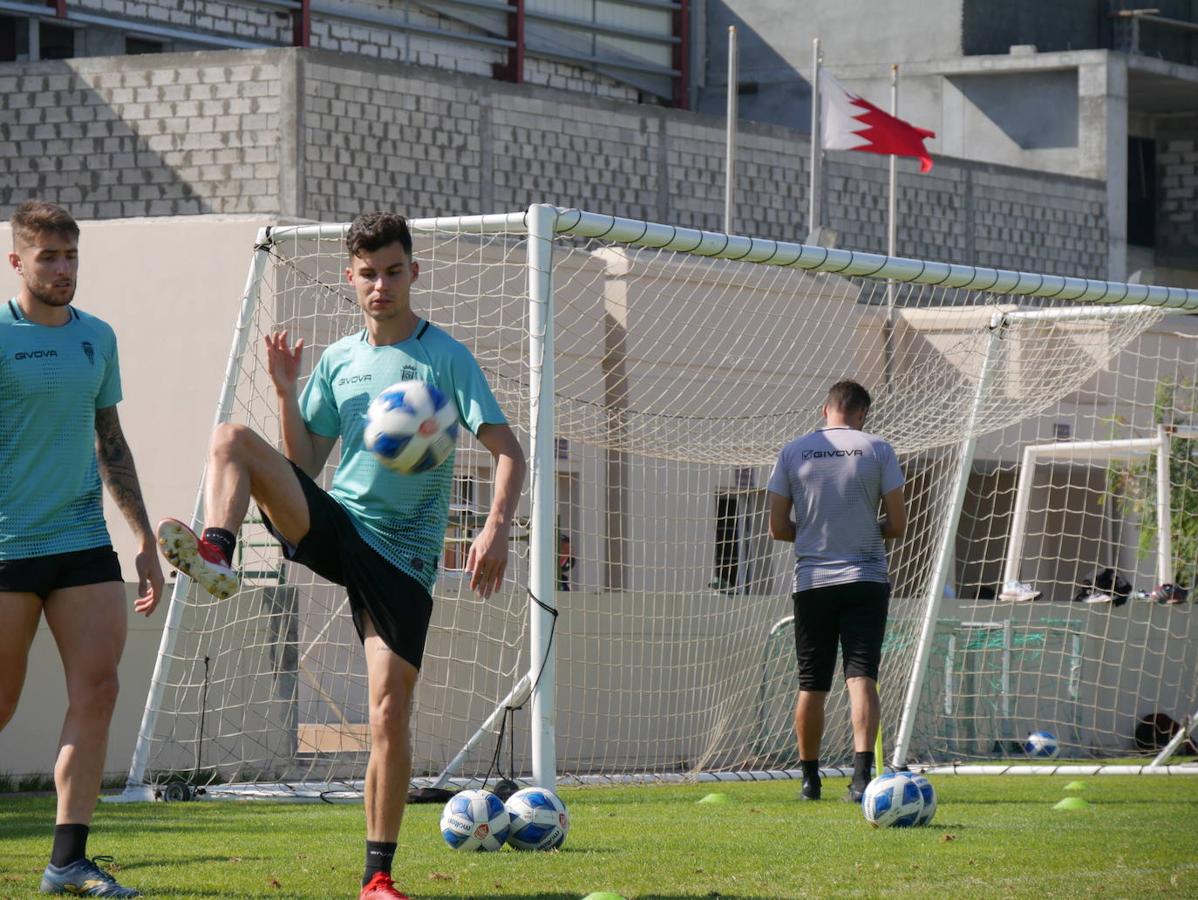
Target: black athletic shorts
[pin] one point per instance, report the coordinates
(398, 604)
(42, 575)
(853, 615)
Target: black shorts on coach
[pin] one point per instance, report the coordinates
(42, 575)
(398, 604)
(851, 615)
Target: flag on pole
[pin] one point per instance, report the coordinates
(853, 123)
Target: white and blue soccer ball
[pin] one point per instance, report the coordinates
(475, 820)
(929, 799)
(411, 427)
(539, 819)
(892, 800)
(1042, 745)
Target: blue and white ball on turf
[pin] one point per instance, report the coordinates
(892, 800)
(929, 799)
(1042, 745)
(539, 819)
(475, 820)
(411, 427)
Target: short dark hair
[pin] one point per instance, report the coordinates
(375, 230)
(849, 397)
(36, 217)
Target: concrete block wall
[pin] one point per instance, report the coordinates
(132, 136)
(414, 143)
(227, 18)
(343, 36)
(312, 134)
(1177, 197)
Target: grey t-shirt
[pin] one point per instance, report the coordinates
(835, 477)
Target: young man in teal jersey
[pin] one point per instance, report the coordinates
(60, 438)
(376, 532)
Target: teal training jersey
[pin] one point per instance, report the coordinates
(52, 381)
(403, 517)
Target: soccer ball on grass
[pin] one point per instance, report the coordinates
(411, 427)
(929, 799)
(892, 800)
(475, 820)
(1042, 745)
(539, 819)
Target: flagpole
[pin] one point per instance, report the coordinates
(892, 233)
(815, 212)
(730, 150)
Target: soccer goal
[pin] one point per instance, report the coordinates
(652, 373)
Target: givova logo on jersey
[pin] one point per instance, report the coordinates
(34, 354)
(828, 454)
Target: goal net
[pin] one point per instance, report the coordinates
(652, 374)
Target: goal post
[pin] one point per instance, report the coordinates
(652, 372)
(1092, 451)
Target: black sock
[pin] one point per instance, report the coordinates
(810, 769)
(863, 767)
(70, 844)
(378, 859)
(226, 540)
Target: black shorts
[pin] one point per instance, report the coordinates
(42, 575)
(397, 603)
(853, 615)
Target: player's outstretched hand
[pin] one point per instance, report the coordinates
(487, 560)
(149, 580)
(283, 361)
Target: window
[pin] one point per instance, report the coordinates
(464, 520)
(136, 46)
(742, 543)
(727, 542)
(8, 37)
(1141, 192)
(57, 41)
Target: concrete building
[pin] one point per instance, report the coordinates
(494, 109)
(1098, 90)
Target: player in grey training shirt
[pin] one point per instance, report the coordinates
(834, 480)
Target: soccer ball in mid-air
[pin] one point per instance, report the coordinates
(892, 800)
(411, 427)
(475, 820)
(539, 819)
(929, 799)
(1042, 745)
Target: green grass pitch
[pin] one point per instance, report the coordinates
(992, 837)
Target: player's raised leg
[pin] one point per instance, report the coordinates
(392, 681)
(89, 625)
(241, 466)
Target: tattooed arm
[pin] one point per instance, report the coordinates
(120, 477)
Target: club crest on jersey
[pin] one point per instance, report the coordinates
(89, 351)
(408, 373)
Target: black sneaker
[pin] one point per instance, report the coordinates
(811, 789)
(855, 794)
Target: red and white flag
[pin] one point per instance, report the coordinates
(853, 123)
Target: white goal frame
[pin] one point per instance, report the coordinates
(544, 223)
